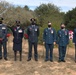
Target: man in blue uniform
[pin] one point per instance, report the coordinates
(74, 41)
(17, 41)
(3, 39)
(49, 38)
(33, 33)
(62, 41)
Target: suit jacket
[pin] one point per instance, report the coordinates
(18, 35)
(49, 35)
(33, 33)
(63, 37)
(74, 36)
(3, 32)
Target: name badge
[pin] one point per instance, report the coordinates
(52, 31)
(35, 29)
(20, 31)
(3, 28)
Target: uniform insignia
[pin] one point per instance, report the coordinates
(35, 29)
(20, 31)
(3, 28)
(52, 31)
(65, 32)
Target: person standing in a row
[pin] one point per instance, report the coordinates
(18, 33)
(74, 41)
(62, 41)
(33, 33)
(49, 38)
(3, 39)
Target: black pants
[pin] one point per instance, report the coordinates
(30, 50)
(4, 49)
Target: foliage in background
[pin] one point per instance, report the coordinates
(12, 13)
(70, 19)
(48, 12)
(43, 14)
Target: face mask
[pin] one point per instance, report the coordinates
(62, 27)
(18, 25)
(49, 26)
(33, 23)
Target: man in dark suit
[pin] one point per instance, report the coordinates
(3, 39)
(62, 41)
(49, 38)
(33, 33)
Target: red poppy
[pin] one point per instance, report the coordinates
(26, 36)
(8, 35)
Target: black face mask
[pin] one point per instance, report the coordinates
(18, 25)
(62, 27)
(49, 26)
(33, 23)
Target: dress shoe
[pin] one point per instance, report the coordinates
(0, 58)
(63, 61)
(51, 60)
(36, 59)
(46, 60)
(6, 59)
(28, 59)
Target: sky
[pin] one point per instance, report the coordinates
(64, 5)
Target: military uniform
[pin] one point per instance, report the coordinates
(49, 37)
(3, 40)
(17, 40)
(62, 41)
(33, 33)
(74, 41)
(74, 36)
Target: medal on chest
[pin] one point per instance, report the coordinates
(65, 32)
(3, 28)
(52, 32)
(35, 29)
(20, 31)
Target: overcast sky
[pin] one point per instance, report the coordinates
(64, 5)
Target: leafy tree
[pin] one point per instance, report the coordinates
(48, 12)
(70, 19)
(26, 7)
(12, 13)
